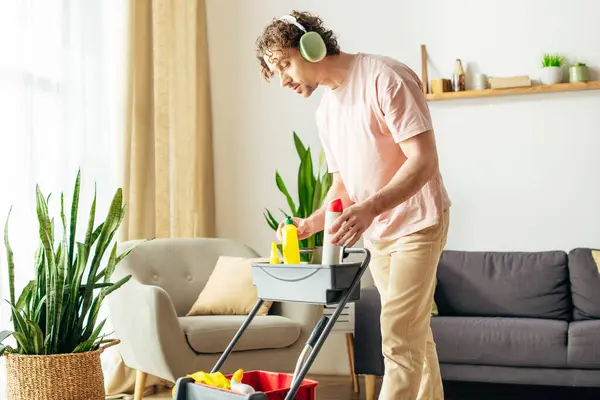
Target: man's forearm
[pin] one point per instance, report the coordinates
(409, 179)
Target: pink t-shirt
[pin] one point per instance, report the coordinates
(360, 124)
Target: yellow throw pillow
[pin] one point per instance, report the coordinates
(229, 289)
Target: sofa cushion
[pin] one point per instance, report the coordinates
(585, 284)
(213, 333)
(517, 342)
(584, 345)
(504, 284)
(229, 290)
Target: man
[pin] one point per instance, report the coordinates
(379, 143)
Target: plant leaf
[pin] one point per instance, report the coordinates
(112, 263)
(37, 337)
(283, 189)
(305, 185)
(73, 227)
(25, 293)
(300, 149)
(26, 346)
(46, 238)
(61, 268)
(89, 343)
(271, 220)
(316, 202)
(10, 260)
(321, 160)
(326, 185)
(126, 252)
(111, 223)
(4, 335)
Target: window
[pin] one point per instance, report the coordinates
(62, 93)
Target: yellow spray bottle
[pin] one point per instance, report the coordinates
(274, 254)
(291, 246)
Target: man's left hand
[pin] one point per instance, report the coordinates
(349, 227)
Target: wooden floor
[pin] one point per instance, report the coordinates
(340, 388)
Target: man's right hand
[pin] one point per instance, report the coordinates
(305, 228)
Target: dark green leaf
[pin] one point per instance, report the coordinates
(271, 220)
(37, 337)
(24, 343)
(283, 189)
(89, 343)
(300, 149)
(305, 185)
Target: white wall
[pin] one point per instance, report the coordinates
(522, 172)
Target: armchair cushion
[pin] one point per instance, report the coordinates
(212, 333)
(229, 289)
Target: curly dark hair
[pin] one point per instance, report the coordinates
(279, 36)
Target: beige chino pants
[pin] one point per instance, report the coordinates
(404, 272)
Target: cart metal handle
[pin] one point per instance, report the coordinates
(325, 325)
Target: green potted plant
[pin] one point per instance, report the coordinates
(578, 72)
(55, 317)
(313, 186)
(552, 72)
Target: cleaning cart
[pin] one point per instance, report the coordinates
(305, 283)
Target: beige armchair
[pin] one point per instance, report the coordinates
(149, 315)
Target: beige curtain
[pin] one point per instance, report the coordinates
(168, 150)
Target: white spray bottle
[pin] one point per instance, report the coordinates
(331, 252)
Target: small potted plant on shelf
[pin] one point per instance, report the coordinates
(578, 72)
(552, 72)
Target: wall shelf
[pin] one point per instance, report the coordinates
(559, 87)
(469, 94)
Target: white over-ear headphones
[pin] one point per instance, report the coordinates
(294, 21)
(312, 46)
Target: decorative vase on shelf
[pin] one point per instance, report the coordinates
(578, 73)
(551, 75)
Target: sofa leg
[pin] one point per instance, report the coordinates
(370, 381)
(350, 348)
(140, 385)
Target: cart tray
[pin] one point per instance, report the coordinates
(269, 386)
(305, 283)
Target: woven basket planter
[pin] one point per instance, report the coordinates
(75, 376)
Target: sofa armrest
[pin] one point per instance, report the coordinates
(368, 358)
(145, 321)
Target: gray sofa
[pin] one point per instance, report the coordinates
(505, 317)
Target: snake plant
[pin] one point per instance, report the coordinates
(313, 186)
(57, 311)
